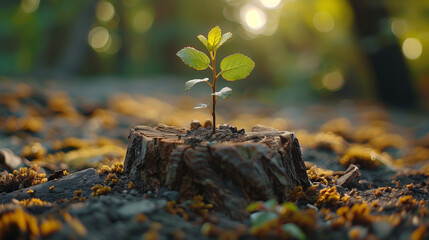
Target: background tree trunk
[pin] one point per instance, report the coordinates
(393, 82)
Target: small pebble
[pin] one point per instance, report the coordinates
(195, 124)
(171, 195)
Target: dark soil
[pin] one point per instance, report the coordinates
(222, 134)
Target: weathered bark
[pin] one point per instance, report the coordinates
(260, 165)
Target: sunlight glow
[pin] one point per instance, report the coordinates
(104, 11)
(412, 48)
(99, 39)
(333, 81)
(254, 18)
(143, 20)
(323, 21)
(399, 27)
(270, 4)
(29, 6)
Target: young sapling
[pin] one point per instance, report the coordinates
(232, 68)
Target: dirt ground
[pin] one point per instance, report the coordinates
(62, 147)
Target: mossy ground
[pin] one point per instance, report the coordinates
(60, 130)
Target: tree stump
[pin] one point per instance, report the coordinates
(245, 167)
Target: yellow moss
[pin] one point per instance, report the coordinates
(296, 194)
(106, 117)
(75, 224)
(31, 191)
(419, 233)
(328, 197)
(383, 141)
(364, 157)
(117, 167)
(407, 201)
(111, 177)
(50, 226)
(24, 222)
(140, 218)
(199, 206)
(34, 151)
(34, 202)
(319, 174)
(25, 176)
(366, 133)
(98, 190)
(338, 126)
(31, 124)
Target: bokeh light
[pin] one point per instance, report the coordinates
(29, 6)
(399, 27)
(253, 18)
(143, 20)
(104, 11)
(270, 4)
(412, 48)
(98, 38)
(323, 21)
(333, 81)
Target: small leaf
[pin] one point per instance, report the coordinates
(194, 58)
(223, 39)
(270, 204)
(189, 84)
(255, 206)
(236, 66)
(290, 206)
(213, 38)
(294, 231)
(223, 93)
(260, 218)
(201, 105)
(203, 40)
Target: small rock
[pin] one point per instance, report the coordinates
(134, 192)
(340, 190)
(208, 123)
(145, 206)
(195, 124)
(382, 229)
(171, 195)
(351, 178)
(65, 187)
(10, 161)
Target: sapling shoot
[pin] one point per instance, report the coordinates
(232, 68)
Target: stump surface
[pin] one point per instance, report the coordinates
(244, 167)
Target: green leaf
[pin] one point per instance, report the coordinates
(260, 218)
(270, 204)
(223, 93)
(290, 206)
(203, 40)
(236, 66)
(254, 206)
(194, 58)
(189, 84)
(201, 105)
(294, 231)
(213, 38)
(223, 39)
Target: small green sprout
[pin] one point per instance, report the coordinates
(233, 67)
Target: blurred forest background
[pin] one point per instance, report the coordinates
(305, 50)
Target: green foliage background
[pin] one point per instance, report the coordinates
(52, 40)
